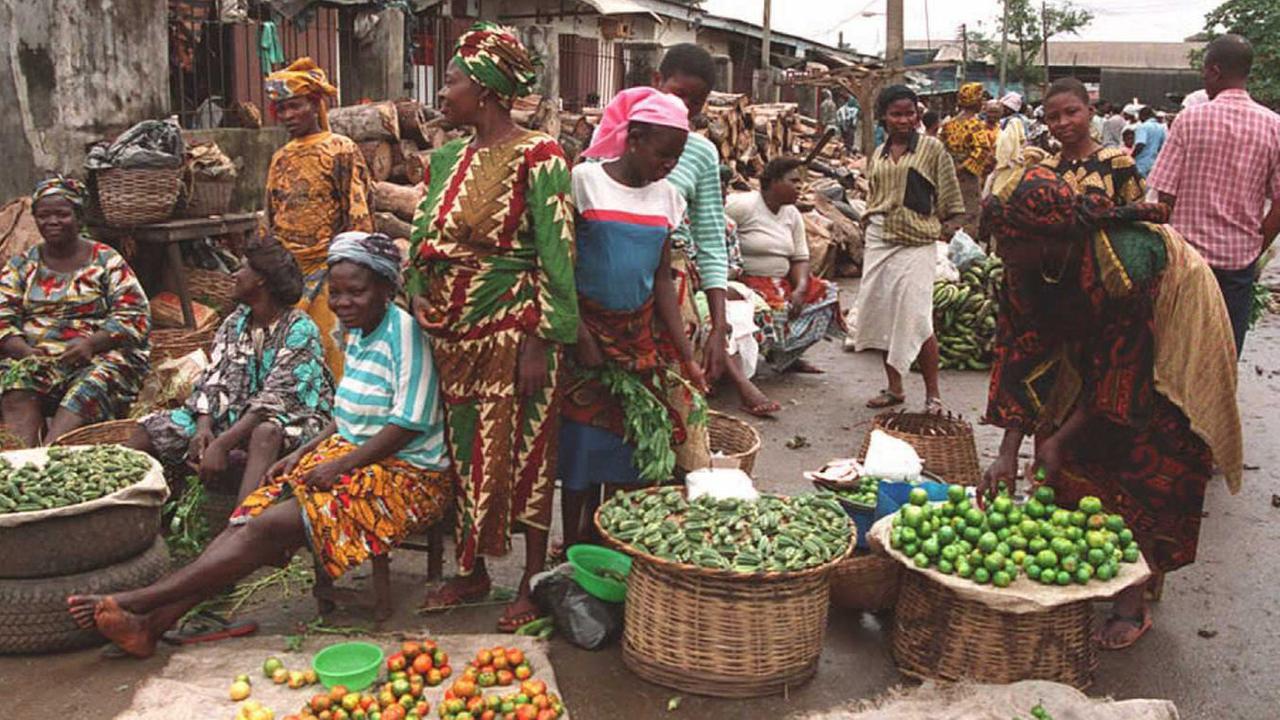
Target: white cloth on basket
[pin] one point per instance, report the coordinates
(895, 300)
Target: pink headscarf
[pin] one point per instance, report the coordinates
(641, 104)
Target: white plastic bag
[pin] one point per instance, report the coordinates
(963, 251)
(943, 268)
(720, 483)
(889, 458)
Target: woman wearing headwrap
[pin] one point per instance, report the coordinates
(74, 325)
(317, 186)
(1083, 161)
(631, 341)
(973, 147)
(914, 203)
(1113, 349)
(374, 474)
(266, 390)
(493, 258)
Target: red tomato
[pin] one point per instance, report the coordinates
(410, 650)
(445, 670)
(396, 663)
(484, 657)
(505, 677)
(515, 657)
(422, 664)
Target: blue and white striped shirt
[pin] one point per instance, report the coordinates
(390, 378)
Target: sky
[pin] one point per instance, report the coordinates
(821, 20)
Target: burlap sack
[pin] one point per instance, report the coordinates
(194, 684)
(152, 491)
(18, 231)
(970, 701)
(1023, 595)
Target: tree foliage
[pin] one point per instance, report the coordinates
(1026, 30)
(1259, 21)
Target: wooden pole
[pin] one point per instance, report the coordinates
(764, 35)
(893, 42)
(1004, 47)
(964, 52)
(1044, 32)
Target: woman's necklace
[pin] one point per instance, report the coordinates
(1066, 263)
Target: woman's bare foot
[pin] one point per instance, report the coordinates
(127, 630)
(805, 367)
(82, 607)
(756, 402)
(459, 590)
(521, 611)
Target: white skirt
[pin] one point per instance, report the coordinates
(895, 300)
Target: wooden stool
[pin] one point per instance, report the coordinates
(328, 597)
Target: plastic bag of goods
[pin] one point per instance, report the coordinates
(890, 458)
(721, 484)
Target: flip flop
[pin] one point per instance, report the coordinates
(449, 598)
(766, 409)
(886, 399)
(1142, 623)
(207, 626)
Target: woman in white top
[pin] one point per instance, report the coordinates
(775, 263)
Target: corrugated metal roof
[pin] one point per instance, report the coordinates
(1137, 56)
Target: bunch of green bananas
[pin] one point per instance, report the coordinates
(964, 316)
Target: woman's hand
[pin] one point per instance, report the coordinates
(1048, 461)
(213, 462)
(325, 475)
(79, 353)
(199, 443)
(1004, 471)
(588, 351)
(285, 465)
(692, 372)
(420, 310)
(532, 373)
(795, 303)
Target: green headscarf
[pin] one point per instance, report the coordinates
(493, 56)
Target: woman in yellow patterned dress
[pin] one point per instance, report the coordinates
(1083, 162)
(493, 245)
(317, 186)
(377, 473)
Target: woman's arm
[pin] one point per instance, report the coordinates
(13, 344)
(129, 321)
(388, 441)
(668, 309)
(798, 276)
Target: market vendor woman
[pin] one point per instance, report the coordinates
(266, 390)
(74, 325)
(1114, 350)
(376, 473)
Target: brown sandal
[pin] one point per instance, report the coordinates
(1143, 624)
(886, 399)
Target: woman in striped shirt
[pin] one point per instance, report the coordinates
(377, 472)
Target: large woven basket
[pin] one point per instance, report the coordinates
(213, 288)
(720, 633)
(733, 439)
(112, 432)
(944, 442)
(865, 581)
(937, 634)
(130, 197)
(167, 343)
(209, 197)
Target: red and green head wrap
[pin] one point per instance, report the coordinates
(61, 186)
(494, 57)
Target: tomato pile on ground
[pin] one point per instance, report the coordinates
(1047, 543)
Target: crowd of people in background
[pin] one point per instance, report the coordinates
(561, 324)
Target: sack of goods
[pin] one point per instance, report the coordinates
(964, 316)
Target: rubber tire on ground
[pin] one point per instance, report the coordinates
(75, 543)
(33, 612)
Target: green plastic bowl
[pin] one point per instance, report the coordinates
(589, 560)
(351, 664)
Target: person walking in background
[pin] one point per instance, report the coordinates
(973, 148)
(1113, 127)
(317, 186)
(1148, 139)
(1012, 103)
(931, 122)
(827, 112)
(847, 120)
(914, 202)
(1220, 167)
(493, 287)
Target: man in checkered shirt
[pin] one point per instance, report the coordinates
(1219, 168)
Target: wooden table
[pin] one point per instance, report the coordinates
(172, 232)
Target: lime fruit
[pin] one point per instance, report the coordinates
(918, 497)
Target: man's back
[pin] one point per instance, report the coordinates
(1221, 163)
(1150, 136)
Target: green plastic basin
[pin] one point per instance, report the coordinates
(354, 665)
(589, 560)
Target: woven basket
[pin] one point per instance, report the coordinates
(944, 442)
(130, 197)
(937, 634)
(209, 197)
(112, 432)
(167, 344)
(865, 581)
(721, 633)
(734, 439)
(213, 288)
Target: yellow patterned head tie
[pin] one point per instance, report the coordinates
(493, 56)
(970, 95)
(61, 186)
(302, 78)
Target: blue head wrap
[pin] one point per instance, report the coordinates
(375, 251)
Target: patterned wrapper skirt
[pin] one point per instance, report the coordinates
(366, 513)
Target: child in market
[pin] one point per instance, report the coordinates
(625, 404)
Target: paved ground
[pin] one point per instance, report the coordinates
(1213, 649)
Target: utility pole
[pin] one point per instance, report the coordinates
(1004, 47)
(764, 36)
(893, 43)
(964, 52)
(1044, 32)
(762, 87)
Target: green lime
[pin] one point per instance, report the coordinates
(1033, 571)
(963, 568)
(1018, 557)
(1002, 504)
(910, 549)
(987, 542)
(955, 493)
(925, 530)
(1034, 509)
(1004, 549)
(1037, 544)
(1003, 534)
(981, 576)
(1014, 516)
(950, 553)
(1126, 537)
(1062, 547)
(1090, 505)
(930, 547)
(1061, 518)
(1131, 554)
(1097, 557)
(1095, 539)
(921, 560)
(1097, 521)
(971, 533)
(993, 562)
(974, 517)
(1063, 578)
(909, 536)
(946, 535)
(1017, 542)
(918, 496)
(996, 520)
(1044, 494)
(1105, 572)
(963, 507)
(1083, 573)
(1001, 579)
(1074, 533)
(1079, 519)
(1047, 559)
(1115, 523)
(946, 567)
(1069, 563)
(912, 516)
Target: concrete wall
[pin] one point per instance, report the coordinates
(252, 150)
(71, 72)
(377, 70)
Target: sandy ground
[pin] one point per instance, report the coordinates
(1213, 649)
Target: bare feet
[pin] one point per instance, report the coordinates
(756, 402)
(127, 630)
(459, 590)
(806, 367)
(81, 608)
(521, 611)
